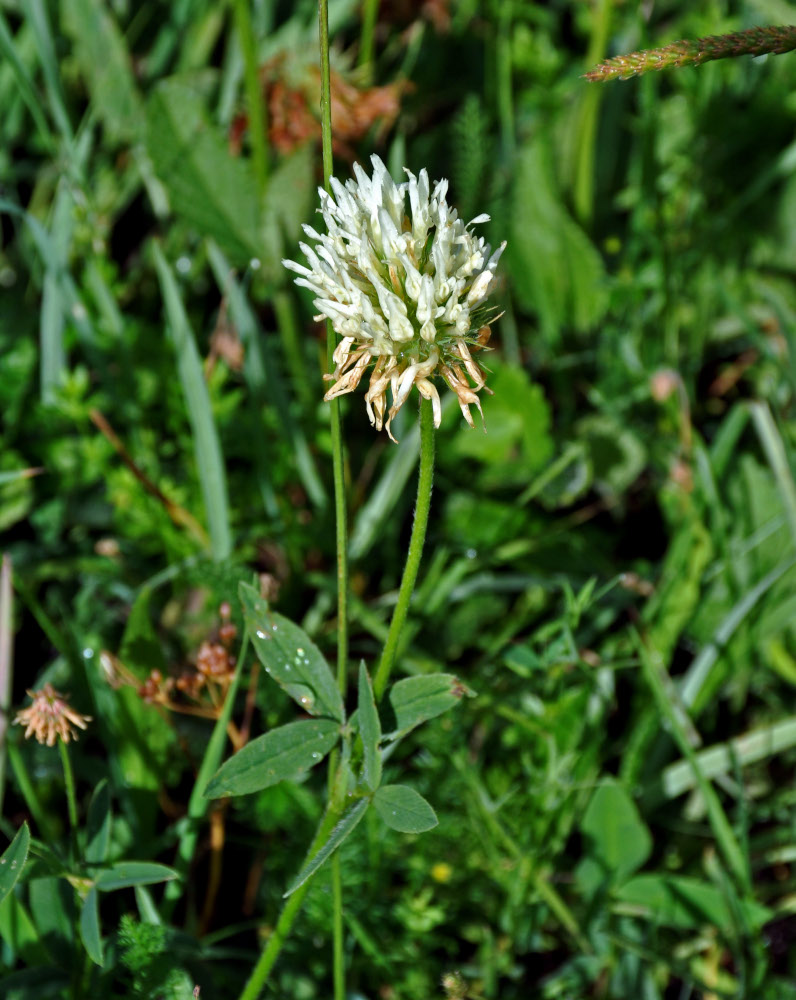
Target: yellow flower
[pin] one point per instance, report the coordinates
(404, 290)
(50, 717)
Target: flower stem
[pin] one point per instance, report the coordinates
(254, 93)
(71, 798)
(340, 513)
(424, 483)
(290, 911)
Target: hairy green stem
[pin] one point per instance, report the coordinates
(340, 512)
(414, 555)
(290, 911)
(254, 93)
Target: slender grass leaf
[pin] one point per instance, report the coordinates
(89, 926)
(286, 752)
(266, 384)
(105, 63)
(209, 460)
(696, 678)
(249, 332)
(369, 730)
(37, 17)
(98, 824)
(54, 250)
(13, 860)
(336, 837)
(24, 82)
(754, 746)
(207, 186)
(417, 699)
(735, 859)
(127, 873)
(688, 903)
(291, 657)
(404, 809)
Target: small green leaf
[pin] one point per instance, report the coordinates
(336, 837)
(416, 699)
(369, 730)
(283, 753)
(127, 873)
(618, 842)
(98, 824)
(13, 860)
(404, 809)
(89, 926)
(290, 657)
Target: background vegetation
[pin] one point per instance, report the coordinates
(610, 569)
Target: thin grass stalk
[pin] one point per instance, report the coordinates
(425, 481)
(71, 797)
(370, 11)
(254, 93)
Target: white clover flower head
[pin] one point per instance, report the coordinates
(405, 290)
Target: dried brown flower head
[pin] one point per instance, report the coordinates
(50, 717)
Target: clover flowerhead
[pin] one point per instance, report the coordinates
(50, 717)
(404, 288)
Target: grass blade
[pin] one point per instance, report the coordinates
(263, 375)
(209, 460)
(726, 840)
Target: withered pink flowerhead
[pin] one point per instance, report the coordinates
(404, 287)
(50, 717)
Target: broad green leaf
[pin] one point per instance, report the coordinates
(369, 730)
(617, 841)
(416, 699)
(688, 903)
(290, 657)
(13, 860)
(207, 447)
(89, 926)
(210, 188)
(336, 837)
(20, 934)
(558, 273)
(404, 809)
(98, 824)
(286, 752)
(103, 58)
(127, 873)
(519, 441)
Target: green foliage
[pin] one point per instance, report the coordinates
(290, 657)
(285, 752)
(146, 955)
(607, 593)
